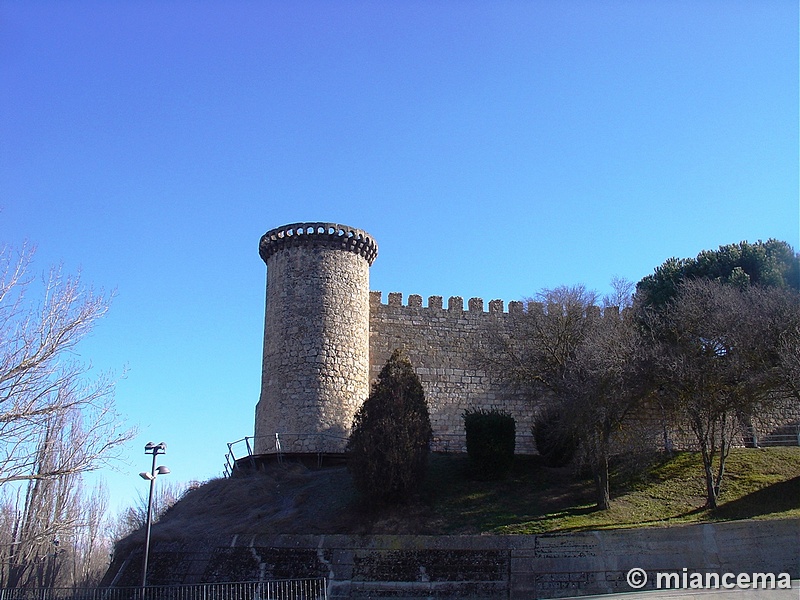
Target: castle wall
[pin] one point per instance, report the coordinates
(326, 337)
(444, 344)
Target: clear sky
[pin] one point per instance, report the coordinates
(491, 148)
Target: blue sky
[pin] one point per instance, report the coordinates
(491, 148)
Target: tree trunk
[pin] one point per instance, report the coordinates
(711, 487)
(601, 483)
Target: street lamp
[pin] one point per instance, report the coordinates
(155, 450)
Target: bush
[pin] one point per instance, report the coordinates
(555, 442)
(491, 436)
(389, 444)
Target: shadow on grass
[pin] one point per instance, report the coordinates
(547, 523)
(648, 490)
(577, 511)
(690, 513)
(778, 497)
(674, 519)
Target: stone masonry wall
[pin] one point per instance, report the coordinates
(555, 565)
(316, 364)
(444, 346)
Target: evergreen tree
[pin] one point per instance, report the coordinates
(389, 444)
(767, 264)
(491, 439)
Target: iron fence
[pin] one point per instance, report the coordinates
(282, 589)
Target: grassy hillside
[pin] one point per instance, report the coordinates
(760, 483)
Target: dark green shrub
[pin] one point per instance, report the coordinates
(491, 436)
(389, 444)
(554, 440)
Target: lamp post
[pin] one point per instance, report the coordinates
(155, 450)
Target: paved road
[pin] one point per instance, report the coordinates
(721, 594)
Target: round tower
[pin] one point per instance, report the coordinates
(315, 370)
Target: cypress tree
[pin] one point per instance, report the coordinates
(389, 444)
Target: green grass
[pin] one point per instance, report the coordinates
(759, 483)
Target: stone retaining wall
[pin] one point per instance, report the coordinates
(486, 567)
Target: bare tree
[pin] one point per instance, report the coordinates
(535, 354)
(775, 325)
(91, 548)
(579, 363)
(621, 295)
(56, 420)
(165, 495)
(601, 387)
(712, 365)
(54, 536)
(789, 359)
(51, 520)
(39, 379)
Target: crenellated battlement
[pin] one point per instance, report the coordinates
(447, 342)
(455, 305)
(330, 235)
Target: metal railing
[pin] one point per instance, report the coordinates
(281, 589)
(784, 436)
(323, 443)
(282, 444)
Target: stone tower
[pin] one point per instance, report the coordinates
(315, 370)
